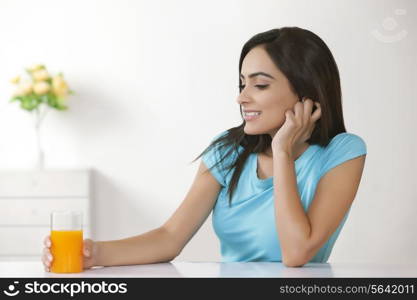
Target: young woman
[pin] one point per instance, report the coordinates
(281, 184)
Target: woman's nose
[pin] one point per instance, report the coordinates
(241, 99)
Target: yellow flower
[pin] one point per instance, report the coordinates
(24, 89)
(41, 88)
(15, 80)
(40, 75)
(59, 86)
(36, 67)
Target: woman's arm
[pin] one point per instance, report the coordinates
(166, 242)
(302, 234)
(154, 246)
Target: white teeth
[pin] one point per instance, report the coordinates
(252, 113)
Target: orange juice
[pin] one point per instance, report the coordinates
(67, 251)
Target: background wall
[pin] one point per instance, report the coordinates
(156, 80)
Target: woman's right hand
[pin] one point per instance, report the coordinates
(89, 253)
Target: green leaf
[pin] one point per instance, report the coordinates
(26, 103)
(44, 98)
(36, 101)
(49, 102)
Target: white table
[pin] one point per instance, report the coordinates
(26, 269)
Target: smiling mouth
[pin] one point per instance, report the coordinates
(251, 116)
(254, 113)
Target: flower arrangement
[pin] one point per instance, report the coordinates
(38, 92)
(40, 88)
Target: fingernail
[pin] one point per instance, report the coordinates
(49, 257)
(87, 253)
(48, 243)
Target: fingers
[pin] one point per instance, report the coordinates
(307, 106)
(87, 248)
(47, 256)
(47, 241)
(47, 259)
(303, 111)
(317, 113)
(86, 252)
(298, 112)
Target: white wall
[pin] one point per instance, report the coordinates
(156, 80)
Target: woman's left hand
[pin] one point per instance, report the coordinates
(297, 127)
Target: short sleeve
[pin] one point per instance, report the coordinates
(213, 156)
(343, 147)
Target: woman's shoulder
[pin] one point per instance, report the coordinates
(222, 147)
(219, 155)
(342, 147)
(346, 141)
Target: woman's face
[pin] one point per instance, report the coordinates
(270, 95)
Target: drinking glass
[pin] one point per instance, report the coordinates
(67, 241)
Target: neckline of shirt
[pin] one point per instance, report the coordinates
(269, 180)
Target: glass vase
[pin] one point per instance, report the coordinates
(39, 117)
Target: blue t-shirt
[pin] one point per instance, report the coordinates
(247, 229)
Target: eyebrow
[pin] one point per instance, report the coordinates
(257, 74)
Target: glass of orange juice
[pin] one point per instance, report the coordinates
(67, 241)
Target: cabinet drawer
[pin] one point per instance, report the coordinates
(48, 183)
(21, 211)
(22, 241)
(25, 241)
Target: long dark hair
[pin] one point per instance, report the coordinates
(311, 70)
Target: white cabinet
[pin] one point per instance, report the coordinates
(26, 201)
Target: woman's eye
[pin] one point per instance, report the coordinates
(241, 87)
(261, 86)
